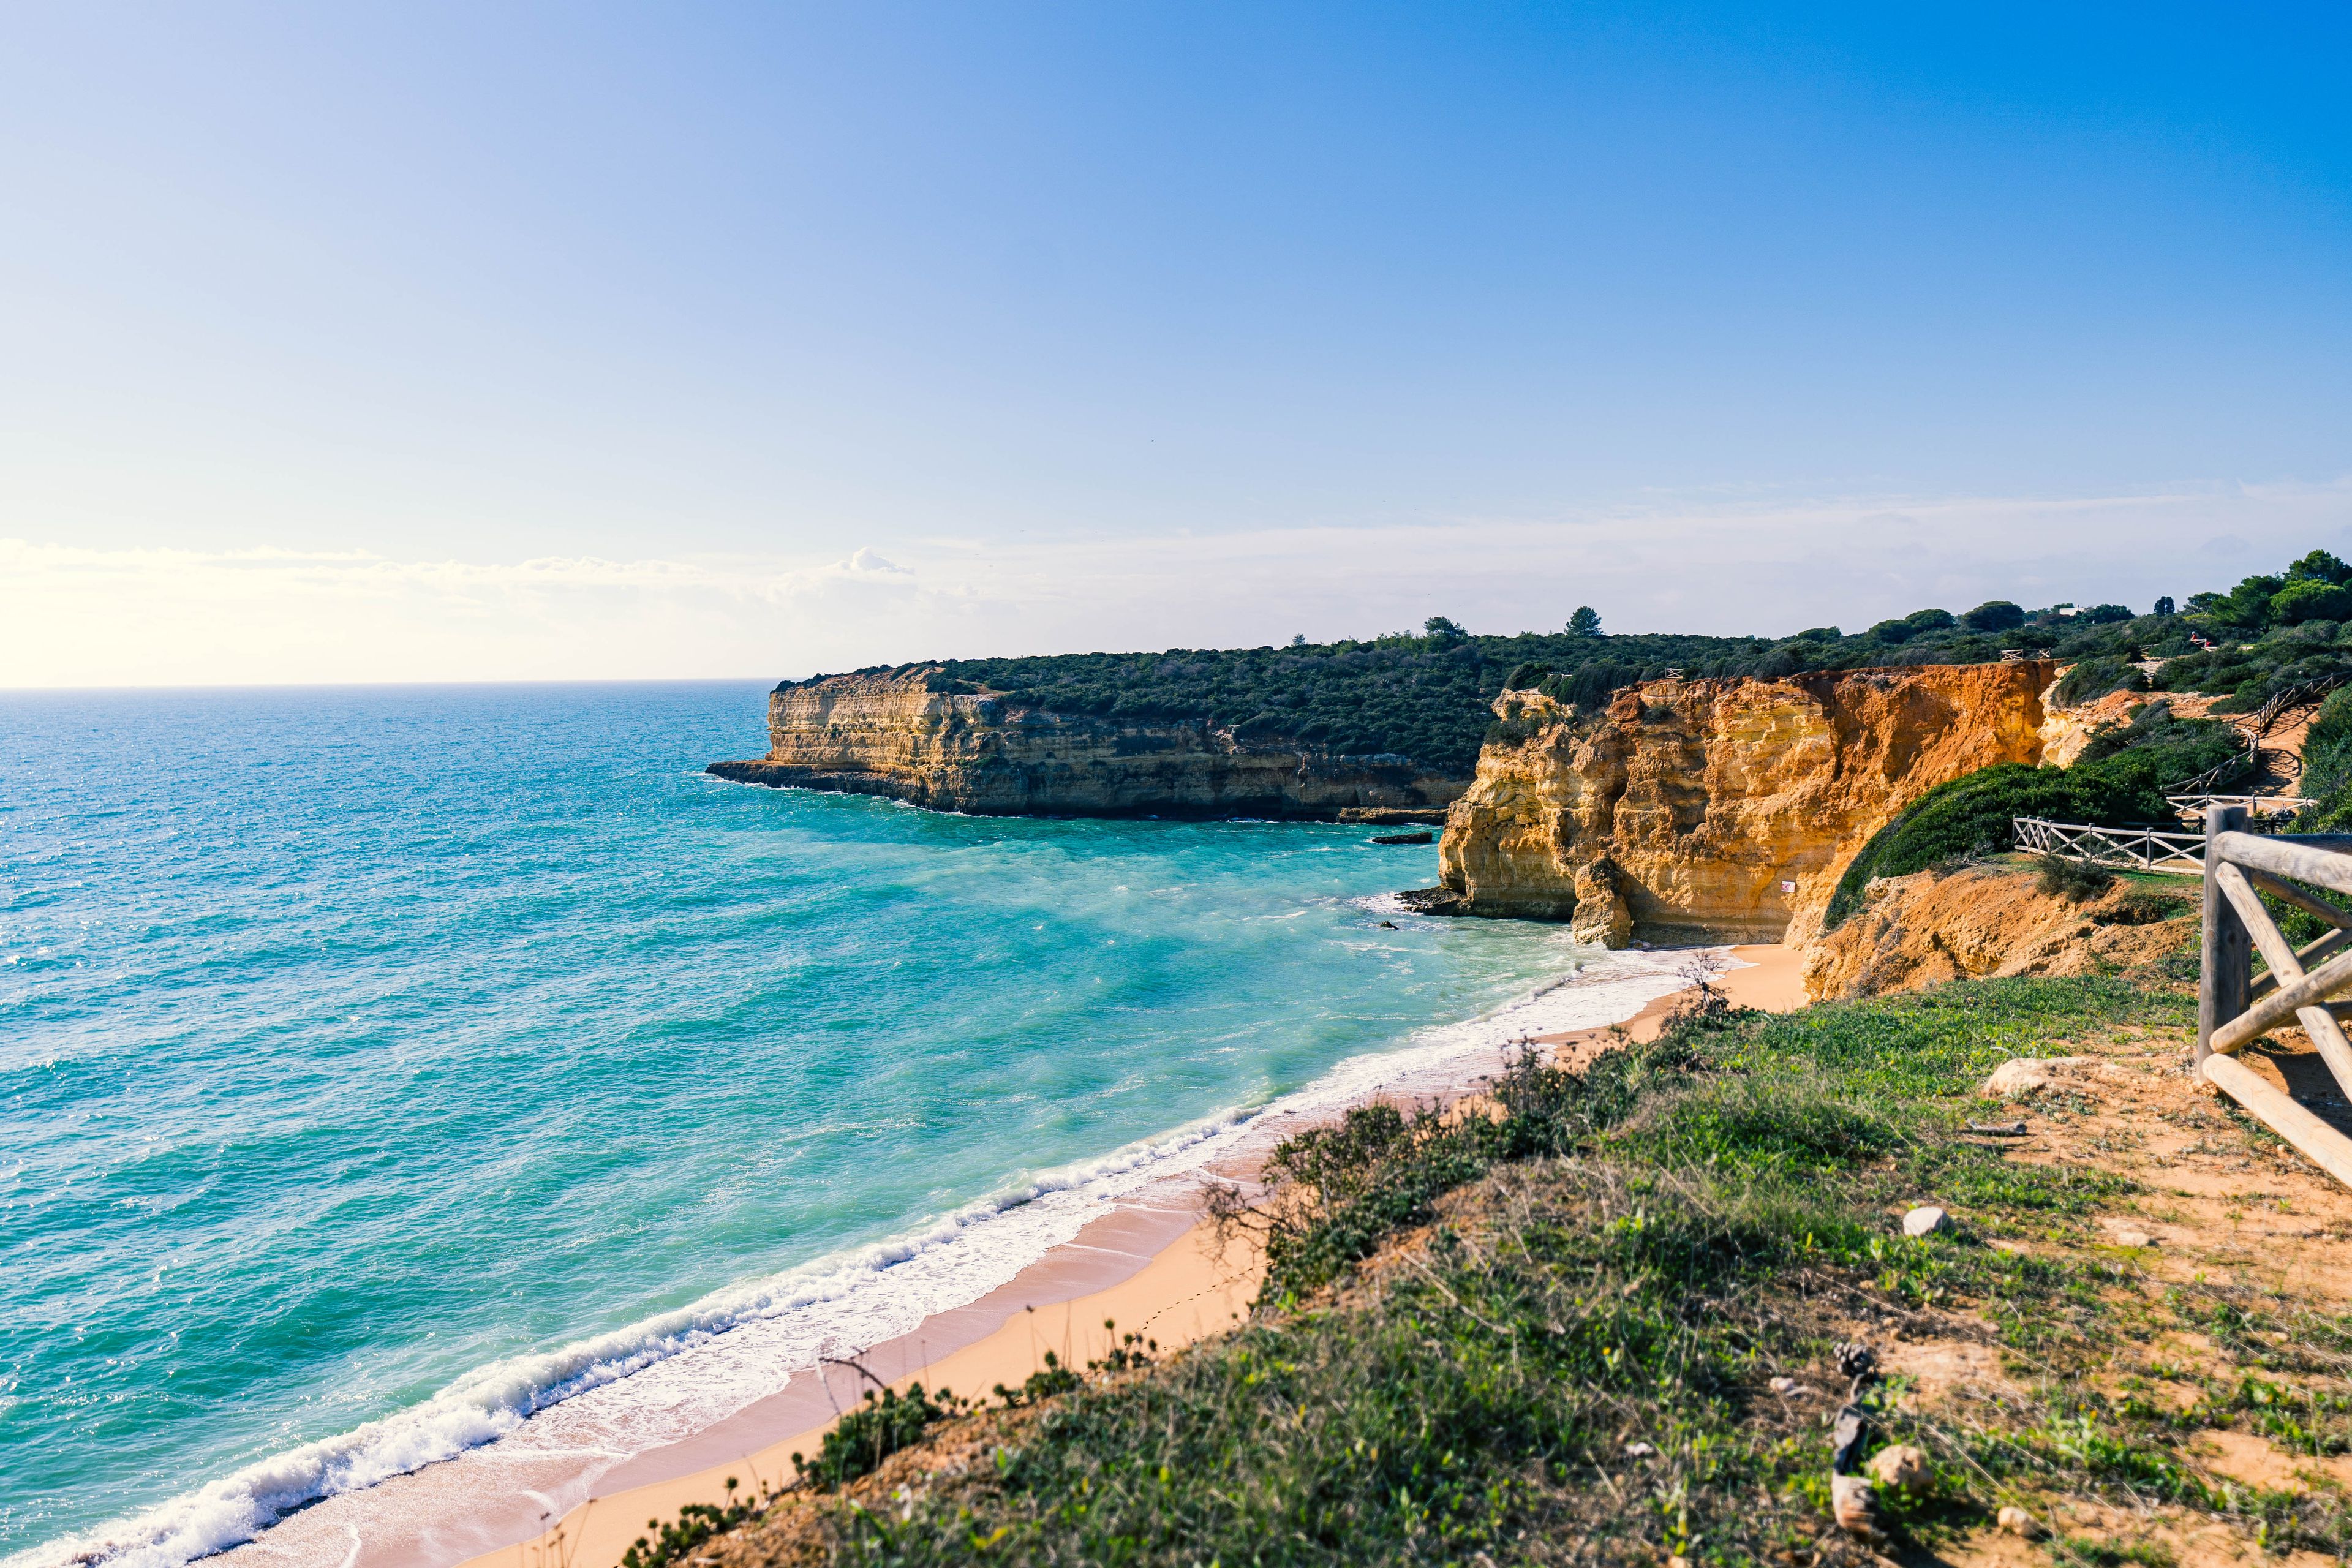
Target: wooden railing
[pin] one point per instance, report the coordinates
(2195, 806)
(2129, 848)
(2310, 694)
(2234, 1007)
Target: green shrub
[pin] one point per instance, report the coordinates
(1524, 676)
(2092, 678)
(2327, 766)
(871, 1433)
(2073, 880)
(1970, 817)
(2305, 599)
(1994, 615)
(697, 1522)
(2155, 751)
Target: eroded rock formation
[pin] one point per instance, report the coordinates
(1718, 810)
(984, 753)
(1992, 919)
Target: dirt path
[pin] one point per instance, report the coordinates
(2223, 1225)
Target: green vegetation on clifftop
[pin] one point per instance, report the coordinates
(2119, 782)
(1426, 695)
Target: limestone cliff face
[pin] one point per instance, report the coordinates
(987, 754)
(1718, 810)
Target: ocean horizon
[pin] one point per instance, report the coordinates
(386, 1065)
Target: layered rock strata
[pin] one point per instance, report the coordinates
(1718, 810)
(985, 753)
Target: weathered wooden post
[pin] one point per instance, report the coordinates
(2228, 968)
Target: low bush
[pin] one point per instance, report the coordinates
(696, 1525)
(2327, 766)
(2073, 879)
(1970, 817)
(2091, 679)
(2156, 751)
(872, 1432)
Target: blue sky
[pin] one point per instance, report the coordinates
(435, 341)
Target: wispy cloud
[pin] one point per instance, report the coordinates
(79, 615)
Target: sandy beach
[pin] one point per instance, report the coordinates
(1770, 978)
(1158, 1271)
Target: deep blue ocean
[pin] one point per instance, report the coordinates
(378, 1066)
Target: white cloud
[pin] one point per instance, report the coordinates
(76, 614)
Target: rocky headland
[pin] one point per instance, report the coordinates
(990, 754)
(1717, 810)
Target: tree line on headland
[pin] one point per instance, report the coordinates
(1424, 695)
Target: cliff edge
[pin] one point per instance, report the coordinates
(984, 752)
(1722, 809)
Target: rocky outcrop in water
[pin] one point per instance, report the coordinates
(985, 753)
(1717, 810)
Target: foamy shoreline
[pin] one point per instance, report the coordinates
(646, 1418)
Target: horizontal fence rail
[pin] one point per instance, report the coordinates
(2260, 805)
(2132, 849)
(2228, 769)
(2234, 1006)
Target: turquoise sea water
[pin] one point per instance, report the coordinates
(420, 1057)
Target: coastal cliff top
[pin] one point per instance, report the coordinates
(1426, 695)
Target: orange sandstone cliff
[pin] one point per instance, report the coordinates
(983, 752)
(1718, 810)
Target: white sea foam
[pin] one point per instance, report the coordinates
(604, 1398)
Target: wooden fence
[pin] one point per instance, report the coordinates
(2310, 694)
(2196, 806)
(2234, 1006)
(2126, 848)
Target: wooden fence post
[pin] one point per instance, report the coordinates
(2227, 971)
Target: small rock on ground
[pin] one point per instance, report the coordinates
(2022, 1077)
(1855, 1505)
(1926, 1220)
(2016, 1522)
(1900, 1466)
